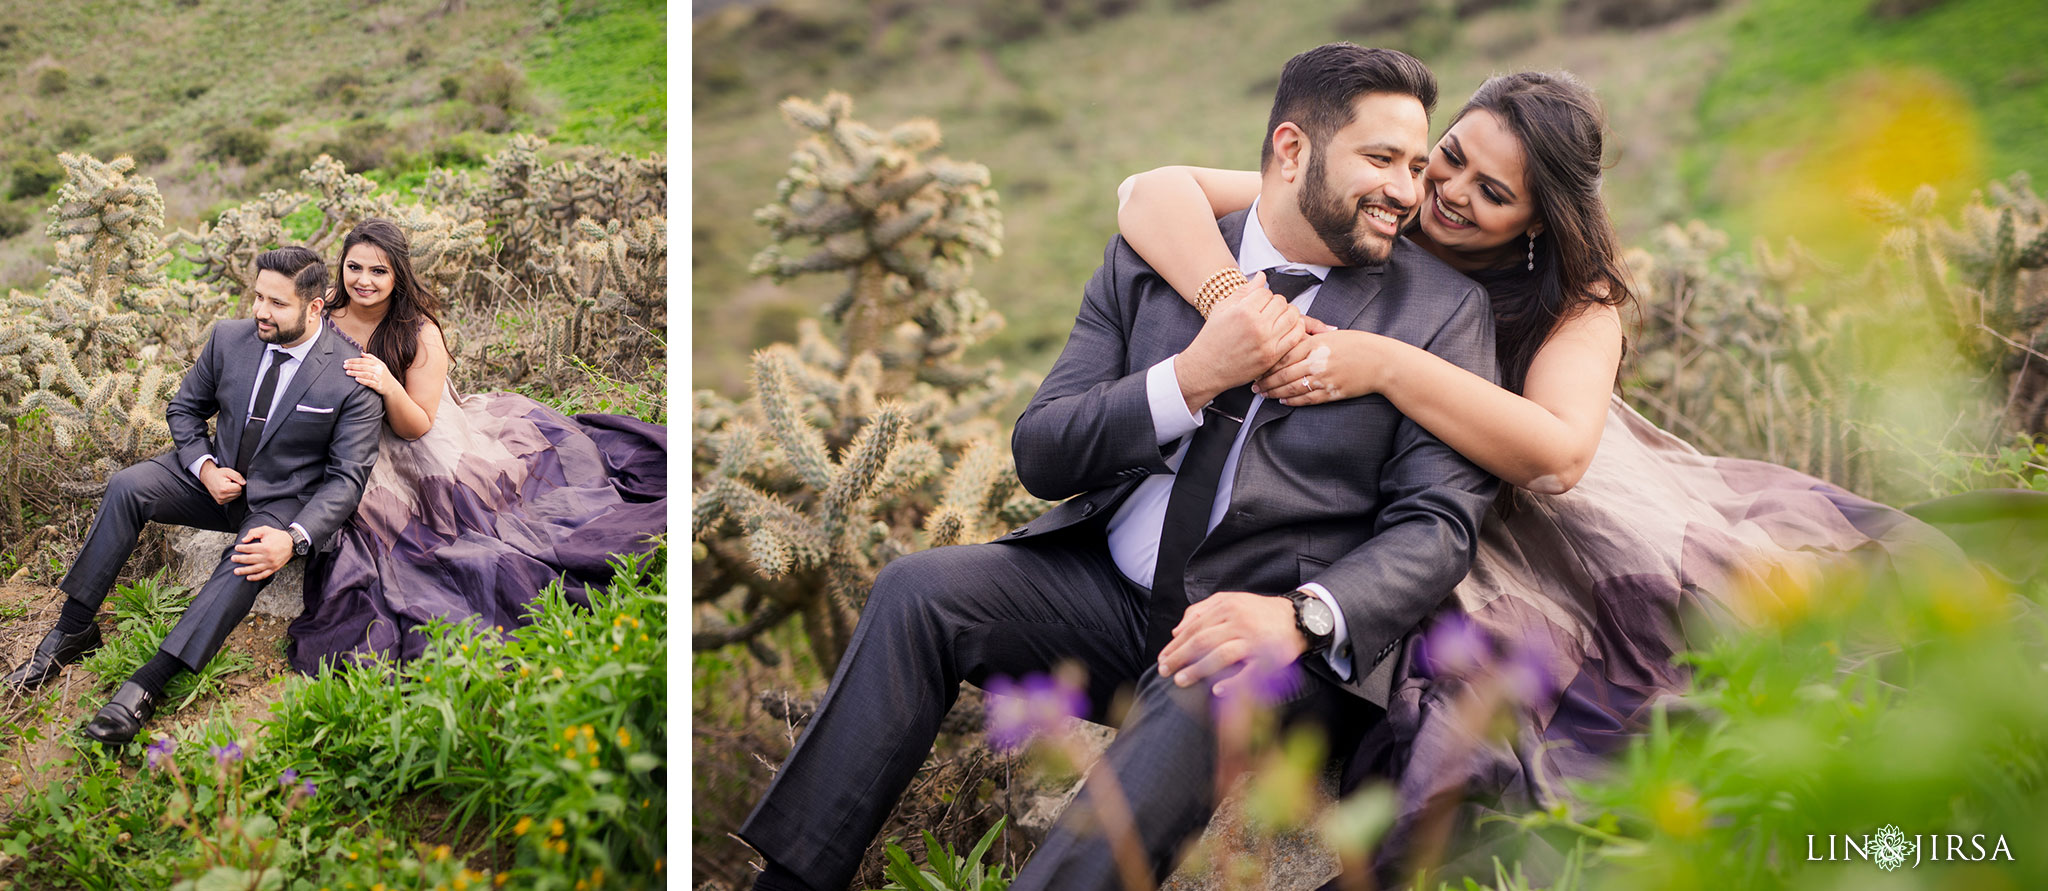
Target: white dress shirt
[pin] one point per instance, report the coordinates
(1135, 527)
(293, 358)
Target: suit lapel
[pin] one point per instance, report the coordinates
(1343, 298)
(316, 362)
(237, 385)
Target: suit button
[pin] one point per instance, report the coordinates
(1088, 510)
(1020, 530)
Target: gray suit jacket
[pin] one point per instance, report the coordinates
(315, 455)
(1349, 494)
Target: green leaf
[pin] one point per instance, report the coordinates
(642, 762)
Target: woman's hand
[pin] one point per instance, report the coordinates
(369, 371)
(1333, 364)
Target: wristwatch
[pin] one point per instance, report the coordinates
(1312, 617)
(300, 543)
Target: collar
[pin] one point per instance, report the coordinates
(299, 352)
(1256, 252)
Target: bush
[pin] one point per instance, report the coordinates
(544, 750)
(30, 176)
(52, 80)
(497, 90)
(244, 145)
(362, 145)
(457, 150)
(14, 220)
(74, 133)
(451, 86)
(151, 152)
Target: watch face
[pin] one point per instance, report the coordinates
(1315, 615)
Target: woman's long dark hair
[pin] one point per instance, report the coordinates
(396, 340)
(1578, 257)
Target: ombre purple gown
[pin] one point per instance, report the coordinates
(469, 522)
(1596, 589)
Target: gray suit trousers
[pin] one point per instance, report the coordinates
(973, 612)
(157, 490)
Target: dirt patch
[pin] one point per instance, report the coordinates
(38, 730)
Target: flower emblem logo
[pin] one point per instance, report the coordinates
(1888, 848)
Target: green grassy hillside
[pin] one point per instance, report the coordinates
(218, 100)
(1703, 111)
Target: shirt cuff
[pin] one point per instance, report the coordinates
(1170, 417)
(1338, 654)
(196, 465)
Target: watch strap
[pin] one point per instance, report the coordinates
(1316, 642)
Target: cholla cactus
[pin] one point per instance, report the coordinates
(784, 527)
(902, 228)
(105, 343)
(1995, 304)
(1728, 361)
(90, 341)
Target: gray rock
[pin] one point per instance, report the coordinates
(195, 553)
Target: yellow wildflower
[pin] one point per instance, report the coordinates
(499, 880)
(568, 632)
(568, 733)
(554, 827)
(441, 852)
(351, 855)
(625, 739)
(597, 876)
(524, 824)
(558, 673)
(589, 731)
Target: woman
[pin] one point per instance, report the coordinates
(476, 502)
(1619, 531)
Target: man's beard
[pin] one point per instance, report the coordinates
(280, 334)
(1340, 226)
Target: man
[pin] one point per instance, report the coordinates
(296, 437)
(1277, 528)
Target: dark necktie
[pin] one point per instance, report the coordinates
(252, 432)
(1194, 490)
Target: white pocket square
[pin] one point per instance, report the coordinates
(314, 409)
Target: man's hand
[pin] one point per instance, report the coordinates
(223, 483)
(1230, 629)
(262, 552)
(1246, 335)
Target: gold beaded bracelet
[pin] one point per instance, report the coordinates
(1217, 286)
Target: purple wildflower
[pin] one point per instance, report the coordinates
(227, 754)
(1038, 703)
(289, 776)
(307, 788)
(1263, 680)
(159, 753)
(1454, 646)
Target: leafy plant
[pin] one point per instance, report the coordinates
(945, 870)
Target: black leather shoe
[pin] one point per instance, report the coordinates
(121, 718)
(56, 651)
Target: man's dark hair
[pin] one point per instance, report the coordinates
(301, 265)
(1318, 87)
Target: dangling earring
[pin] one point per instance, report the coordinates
(1532, 252)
